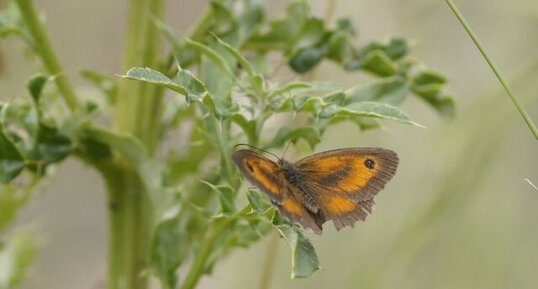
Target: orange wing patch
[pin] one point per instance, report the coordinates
(337, 205)
(262, 172)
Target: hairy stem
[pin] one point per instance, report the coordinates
(43, 47)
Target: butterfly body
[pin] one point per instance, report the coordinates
(337, 185)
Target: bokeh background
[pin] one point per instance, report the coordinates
(458, 214)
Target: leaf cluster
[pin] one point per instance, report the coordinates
(219, 86)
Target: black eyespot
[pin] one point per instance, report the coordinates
(369, 163)
(249, 167)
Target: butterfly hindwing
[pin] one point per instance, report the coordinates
(344, 182)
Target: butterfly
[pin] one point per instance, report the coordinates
(337, 185)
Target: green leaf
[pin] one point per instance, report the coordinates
(213, 55)
(51, 145)
(392, 91)
(133, 151)
(378, 63)
(152, 76)
(429, 85)
(304, 260)
(237, 55)
(248, 125)
(169, 247)
(428, 77)
(15, 258)
(194, 89)
(290, 87)
(226, 195)
(306, 58)
(11, 159)
(36, 85)
(257, 202)
(369, 109)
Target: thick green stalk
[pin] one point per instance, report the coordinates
(493, 67)
(43, 47)
(137, 113)
(127, 205)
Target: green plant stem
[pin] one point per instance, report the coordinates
(269, 265)
(199, 264)
(43, 47)
(501, 79)
(128, 205)
(136, 113)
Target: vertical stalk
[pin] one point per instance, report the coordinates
(43, 47)
(137, 113)
(515, 100)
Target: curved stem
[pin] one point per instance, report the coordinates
(199, 264)
(501, 79)
(43, 47)
(269, 265)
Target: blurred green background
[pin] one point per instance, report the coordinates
(458, 214)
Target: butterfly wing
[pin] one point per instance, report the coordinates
(267, 176)
(343, 182)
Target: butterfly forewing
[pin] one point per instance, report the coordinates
(267, 175)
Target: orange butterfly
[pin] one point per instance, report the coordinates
(337, 185)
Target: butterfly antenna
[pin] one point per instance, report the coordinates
(257, 148)
(285, 150)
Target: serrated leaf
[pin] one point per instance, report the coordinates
(304, 260)
(11, 159)
(152, 76)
